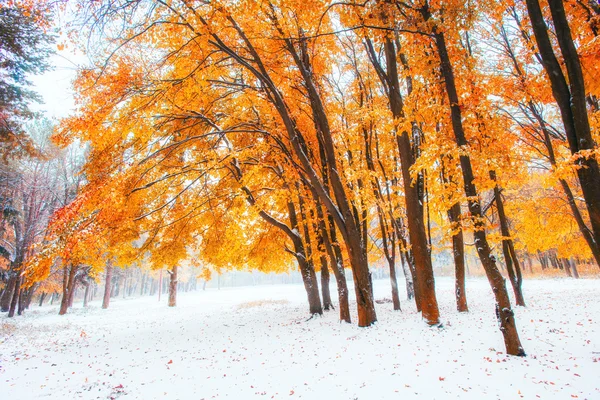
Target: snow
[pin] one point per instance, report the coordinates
(256, 343)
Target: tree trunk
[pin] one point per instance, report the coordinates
(574, 269)
(86, 294)
(8, 292)
(567, 266)
(512, 262)
(15, 297)
(107, 285)
(303, 253)
(68, 286)
(22, 301)
(554, 260)
(504, 310)
(410, 289)
(42, 298)
(327, 303)
(458, 252)
(543, 258)
(173, 287)
(394, 283)
(336, 260)
(309, 278)
(342, 209)
(334, 253)
(410, 262)
(30, 293)
(72, 294)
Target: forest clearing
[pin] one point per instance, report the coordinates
(256, 343)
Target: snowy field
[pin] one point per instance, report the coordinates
(255, 343)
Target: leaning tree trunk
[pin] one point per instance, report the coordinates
(504, 310)
(336, 260)
(107, 285)
(512, 262)
(583, 228)
(334, 253)
(342, 209)
(173, 287)
(569, 93)
(303, 253)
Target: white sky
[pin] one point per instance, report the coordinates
(55, 86)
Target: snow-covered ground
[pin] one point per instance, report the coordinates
(255, 343)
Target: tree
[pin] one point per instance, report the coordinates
(25, 49)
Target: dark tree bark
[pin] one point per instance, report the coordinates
(30, 293)
(566, 266)
(504, 310)
(68, 287)
(334, 254)
(458, 252)
(15, 296)
(510, 257)
(327, 303)
(304, 258)
(7, 294)
(458, 248)
(543, 258)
